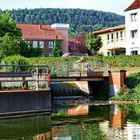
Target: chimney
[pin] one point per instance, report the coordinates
(40, 26)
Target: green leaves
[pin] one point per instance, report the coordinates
(8, 26)
(56, 51)
(93, 42)
(8, 46)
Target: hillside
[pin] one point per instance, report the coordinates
(80, 20)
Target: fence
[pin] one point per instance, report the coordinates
(31, 77)
(67, 69)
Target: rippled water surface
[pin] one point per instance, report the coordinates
(77, 120)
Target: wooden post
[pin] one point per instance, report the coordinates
(24, 84)
(37, 77)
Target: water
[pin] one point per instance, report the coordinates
(77, 120)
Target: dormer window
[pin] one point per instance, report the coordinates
(133, 17)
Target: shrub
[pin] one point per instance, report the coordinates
(16, 60)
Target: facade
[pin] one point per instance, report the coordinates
(132, 27)
(123, 39)
(43, 36)
(113, 40)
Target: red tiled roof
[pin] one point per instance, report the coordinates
(134, 5)
(39, 32)
(120, 27)
(72, 40)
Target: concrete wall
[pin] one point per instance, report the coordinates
(29, 101)
(116, 81)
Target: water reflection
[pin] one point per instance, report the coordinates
(109, 122)
(76, 121)
(25, 128)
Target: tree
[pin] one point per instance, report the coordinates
(8, 46)
(81, 39)
(11, 42)
(8, 26)
(93, 42)
(56, 51)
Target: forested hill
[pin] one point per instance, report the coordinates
(79, 19)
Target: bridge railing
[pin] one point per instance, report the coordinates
(13, 76)
(77, 69)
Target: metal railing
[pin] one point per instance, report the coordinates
(81, 69)
(38, 80)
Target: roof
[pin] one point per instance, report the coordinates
(134, 5)
(116, 28)
(39, 32)
(72, 40)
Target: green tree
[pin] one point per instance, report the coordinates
(8, 46)
(56, 51)
(11, 42)
(93, 42)
(8, 26)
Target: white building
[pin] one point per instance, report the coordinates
(132, 28)
(113, 40)
(123, 39)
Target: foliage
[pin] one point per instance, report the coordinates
(24, 50)
(56, 51)
(8, 46)
(11, 42)
(35, 52)
(81, 39)
(93, 42)
(8, 26)
(75, 17)
(15, 60)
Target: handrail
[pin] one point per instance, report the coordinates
(40, 73)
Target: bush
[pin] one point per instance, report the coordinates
(16, 60)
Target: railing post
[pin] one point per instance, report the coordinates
(37, 77)
(80, 68)
(47, 78)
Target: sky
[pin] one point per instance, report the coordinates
(115, 6)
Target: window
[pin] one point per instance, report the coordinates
(50, 44)
(107, 38)
(133, 17)
(134, 52)
(117, 36)
(41, 44)
(121, 35)
(112, 37)
(134, 33)
(35, 44)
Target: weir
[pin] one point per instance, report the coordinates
(24, 90)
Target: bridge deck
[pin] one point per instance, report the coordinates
(64, 79)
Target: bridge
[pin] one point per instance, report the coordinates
(87, 76)
(34, 94)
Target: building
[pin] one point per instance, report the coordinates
(123, 39)
(43, 36)
(113, 40)
(132, 28)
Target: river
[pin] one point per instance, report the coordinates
(76, 120)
